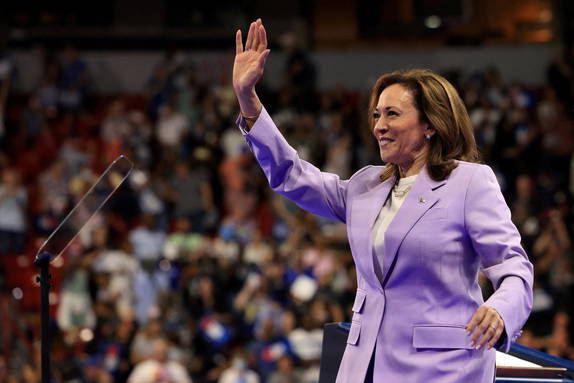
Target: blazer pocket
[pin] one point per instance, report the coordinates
(435, 214)
(354, 333)
(359, 301)
(440, 337)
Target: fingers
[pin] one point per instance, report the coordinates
(486, 327)
(249, 42)
(262, 39)
(238, 42)
(256, 35)
(496, 336)
(256, 38)
(475, 320)
(486, 333)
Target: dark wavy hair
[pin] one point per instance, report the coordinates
(439, 105)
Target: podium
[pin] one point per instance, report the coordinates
(548, 369)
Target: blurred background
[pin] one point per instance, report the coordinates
(195, 271)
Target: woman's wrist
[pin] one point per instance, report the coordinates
(249, 120)
(247, 95)
(249, 105)
(251, 117)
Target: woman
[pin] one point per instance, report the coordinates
(420, 229)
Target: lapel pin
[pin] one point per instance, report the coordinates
(422, 200)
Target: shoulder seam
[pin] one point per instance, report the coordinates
(469, 163)
(362, 170)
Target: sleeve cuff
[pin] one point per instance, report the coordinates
(242, 125)
(509, 335)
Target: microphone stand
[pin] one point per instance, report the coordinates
(45, 280)
(115, 174)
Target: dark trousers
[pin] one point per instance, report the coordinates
(334, 342)
(371, 369)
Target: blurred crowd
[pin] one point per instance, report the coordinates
(195, 271)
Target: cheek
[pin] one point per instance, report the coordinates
(408, 145)
(416, 141)
(413, 138)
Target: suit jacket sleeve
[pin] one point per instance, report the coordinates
(497, 242)
(315, 191)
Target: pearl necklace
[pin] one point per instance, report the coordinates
(400, 193)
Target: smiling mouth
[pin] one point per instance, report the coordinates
(385, 141)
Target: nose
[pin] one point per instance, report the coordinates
(380, 127)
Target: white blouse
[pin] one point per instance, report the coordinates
(388, 211)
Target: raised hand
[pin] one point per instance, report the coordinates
(248, 66)
(249, 62)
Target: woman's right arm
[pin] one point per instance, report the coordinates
(315, 191)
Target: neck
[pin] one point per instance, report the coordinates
(411, 170)
(414, 166)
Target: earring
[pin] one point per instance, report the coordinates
(428, 136)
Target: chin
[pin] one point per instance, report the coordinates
(386, 158)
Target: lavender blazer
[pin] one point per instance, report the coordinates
(444, 233)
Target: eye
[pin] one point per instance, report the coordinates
(392, 113)
(376, 115)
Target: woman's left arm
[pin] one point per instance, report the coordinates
(497, 242)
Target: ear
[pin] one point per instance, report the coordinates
(429, 130)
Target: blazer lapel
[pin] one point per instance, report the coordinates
(420, 199)
(364, 211)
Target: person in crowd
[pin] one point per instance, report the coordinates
(191, 193)
(159, 368)
(13, 205)
(147, 240)
(420, 229)
(286, 371)
(239, 371)
(74, 80)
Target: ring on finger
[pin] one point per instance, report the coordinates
(493, 327)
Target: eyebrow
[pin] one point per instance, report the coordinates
(387, 108)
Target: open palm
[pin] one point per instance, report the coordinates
(249, 62)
